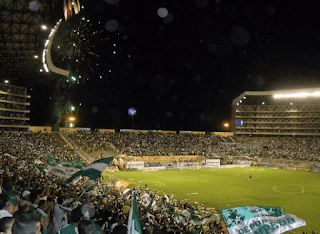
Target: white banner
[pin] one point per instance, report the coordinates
(61, 171)
(256, 219)
(139, 165)
(213, 162)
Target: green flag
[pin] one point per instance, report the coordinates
(134, 225)
(93, 170)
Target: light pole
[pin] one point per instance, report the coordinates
(226, 125)
(72, 121)
(132, 112)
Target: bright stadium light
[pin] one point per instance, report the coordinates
(297, 95)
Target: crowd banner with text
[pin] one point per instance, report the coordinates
(259, 219)
(223, 134)
(126, 130)
(155, 131)
(107, 130)
(139, 165)
(84, 129)
(212, 162)
(42, 129)
(165, 158)
(169, 132)
(67, 130)
(198, 133)
(140, 131)
(235, 165)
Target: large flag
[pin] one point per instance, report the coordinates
(62, 168)
(257, 219)
(93, 170)
(54, 162)
(134, 225)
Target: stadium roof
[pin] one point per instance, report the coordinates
(294, 93)
(21, 35)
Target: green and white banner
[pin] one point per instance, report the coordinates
(62, 168)
(93, 170)
(134, 225)
(54, 162)
(259, 220)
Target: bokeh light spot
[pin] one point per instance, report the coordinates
(112, 2)
(201, 3)
(212, 48)
(95, 109)
(240, 35)
(270, 10)
(168, 19)
(112, 25)
(34, 5)
(162, 12)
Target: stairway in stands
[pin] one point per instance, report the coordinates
(81, 153)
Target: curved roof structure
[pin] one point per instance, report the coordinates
(22, 37)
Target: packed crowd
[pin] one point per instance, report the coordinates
(144, 144)
(33, 202)
(26, 146)
(154, 144)
(296, 149)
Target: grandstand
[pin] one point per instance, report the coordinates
(284, 112)
(14, 107)
(38, 150)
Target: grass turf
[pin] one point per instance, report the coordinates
(226, 188)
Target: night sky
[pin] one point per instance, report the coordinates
(180, 72)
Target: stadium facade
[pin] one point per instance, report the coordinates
(282, 112)
(14, 107)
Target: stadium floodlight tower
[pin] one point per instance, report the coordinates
(281, 112)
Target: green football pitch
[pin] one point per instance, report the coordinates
(226, 188)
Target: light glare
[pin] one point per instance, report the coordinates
(297, 95)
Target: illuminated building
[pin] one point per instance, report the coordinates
(283, 112)
(14, 107)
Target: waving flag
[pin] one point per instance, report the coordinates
(93, 170)
(134, 225)
(257, 219)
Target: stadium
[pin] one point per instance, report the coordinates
(182, 181)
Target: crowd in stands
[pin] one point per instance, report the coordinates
(154, 144)
(30, 146)
(144, 144)
(33, 202)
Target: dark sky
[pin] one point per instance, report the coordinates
(180, 72)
